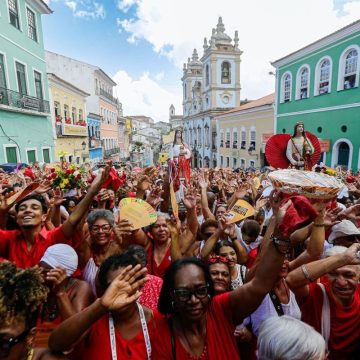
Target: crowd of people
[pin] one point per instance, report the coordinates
(78, 281)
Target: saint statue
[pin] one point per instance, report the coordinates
(300, 149)
(179, 161)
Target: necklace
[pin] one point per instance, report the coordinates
(30, 355)
(203, 355)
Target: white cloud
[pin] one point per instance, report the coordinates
(159, 76)
(144, 96)
(268, 30)
(125, 5)
(71, 5)
(86, 9)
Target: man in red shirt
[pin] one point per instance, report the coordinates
(339, 322)
(26, 246)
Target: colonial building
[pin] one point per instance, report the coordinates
(319, 85)
(243, 133)
(175, 121)
(68, 109)
(26, 133)
(211, 85)
(101, 101)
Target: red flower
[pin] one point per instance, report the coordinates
(78, 177)
(52, 170)
(53, 175)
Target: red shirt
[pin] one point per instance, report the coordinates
(97, 344)
(13, 246)
(153, 268)
(150, 292)
(220, 334)
(344, 341)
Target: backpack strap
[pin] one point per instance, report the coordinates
(325, 315)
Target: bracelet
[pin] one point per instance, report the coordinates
(319, 225)
(306, 274)
(233, 239)
(278, 243)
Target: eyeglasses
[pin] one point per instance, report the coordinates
(7, 344)
(218, 259)
(184, 295)
(104, 228)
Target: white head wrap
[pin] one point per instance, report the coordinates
(61, 255)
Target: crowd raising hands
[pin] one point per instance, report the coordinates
(78, 279)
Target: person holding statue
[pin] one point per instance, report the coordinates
(179, 161)
(299, 149)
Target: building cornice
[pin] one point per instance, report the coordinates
(40, 6)
(246, 111)
(319, 44)
(56, 80)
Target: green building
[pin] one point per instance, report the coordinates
(319, 85)
(26, 132)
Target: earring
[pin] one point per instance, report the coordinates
(209, 296)
(173, 304)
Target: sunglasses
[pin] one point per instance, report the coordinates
(185, 295)
(7, 344)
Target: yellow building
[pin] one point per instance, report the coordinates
(243, 132)
(68, 113)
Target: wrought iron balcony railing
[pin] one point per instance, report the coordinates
(104, 93)
(16, 100)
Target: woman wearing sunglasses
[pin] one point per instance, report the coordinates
(22, 292)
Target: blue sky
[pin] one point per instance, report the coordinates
(142, 44)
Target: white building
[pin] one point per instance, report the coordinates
(211, 86)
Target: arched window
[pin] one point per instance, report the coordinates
(303, 83)
(286, 87)
(252, 142)
(225, 73)
(207, 75)
(323, 77)
(221, 138)
(349, 68)
(197, 89)
(243, 138)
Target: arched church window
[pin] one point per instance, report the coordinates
(225, 72)
(207, 75)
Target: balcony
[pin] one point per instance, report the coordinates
(110, 152)
(94, 143)
(235, 145)
(227, 144)
(23, 102)
(106, 95)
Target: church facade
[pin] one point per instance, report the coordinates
(211, 86)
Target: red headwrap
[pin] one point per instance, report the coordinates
(300, 213)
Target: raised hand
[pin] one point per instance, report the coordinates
(125, 288)
(56, 277)
(154, 198)
(100, 179)
(124, 228)
(189, 200)
(351, 254)
(44, 187)
(58, 198)
(352, 213)
(331, 216)
(144, 183)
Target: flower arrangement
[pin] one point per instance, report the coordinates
(58, 119)
(331, 172)
(81, 123)
(68, 121)
(67, 177)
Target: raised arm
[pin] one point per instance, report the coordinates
(121, 292)
(299, 279)
(245, 299)
(204, 199)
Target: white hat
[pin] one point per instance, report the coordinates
(344, 228)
